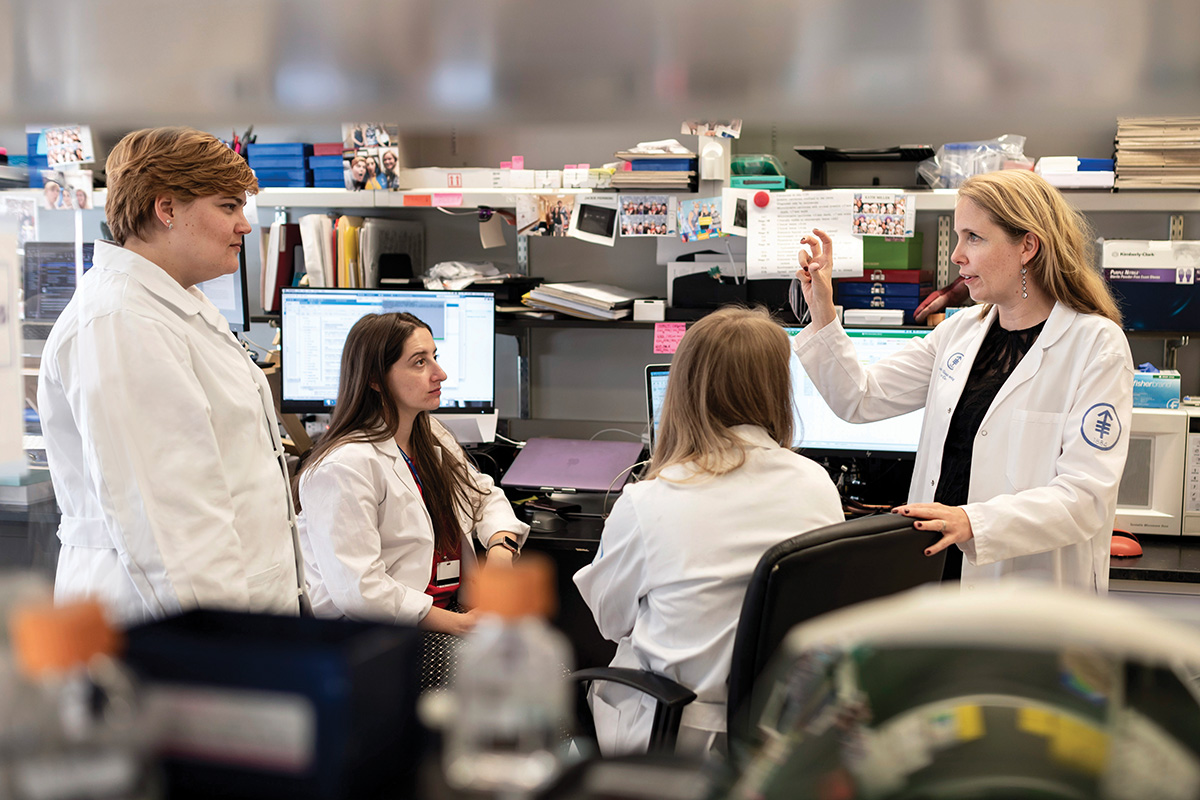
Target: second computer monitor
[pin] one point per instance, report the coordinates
(315, 323)
(819, 429)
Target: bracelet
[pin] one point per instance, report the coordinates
(508, 543)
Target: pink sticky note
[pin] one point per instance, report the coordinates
(584, 166)
(506, 165)
(667, 336)
(568, 166)
(443, 199)
(518, 162)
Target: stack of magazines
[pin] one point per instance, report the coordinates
(1158, 153)
(583, 299)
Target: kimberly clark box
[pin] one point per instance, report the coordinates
(1156, 389)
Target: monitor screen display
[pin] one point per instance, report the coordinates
(819, 428)
(315, 323)
(49, 277)
(228, 294)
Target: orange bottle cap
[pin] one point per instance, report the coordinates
(527, 589)
(50, 638)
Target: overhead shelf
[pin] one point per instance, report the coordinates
(927, 200)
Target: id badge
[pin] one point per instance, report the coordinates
(447, 572)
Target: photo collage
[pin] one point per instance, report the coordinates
(371, 155)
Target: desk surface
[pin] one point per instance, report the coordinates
(1171, 559)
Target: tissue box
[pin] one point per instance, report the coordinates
(1156, 389)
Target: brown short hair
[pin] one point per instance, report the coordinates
(182, 162)
(731, 368)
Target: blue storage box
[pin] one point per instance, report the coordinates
(277, 162)
(279, 149)
(282, 707)
(325, 162)
(884, 289)
(283, 177)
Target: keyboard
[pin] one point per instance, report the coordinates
(30, 331)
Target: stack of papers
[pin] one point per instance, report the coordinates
(1158, 153)
(657, 165)
(583, 299)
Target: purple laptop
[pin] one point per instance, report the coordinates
(572, 465)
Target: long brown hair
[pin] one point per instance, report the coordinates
(366, 412)
(731, 368)
(1021, 202)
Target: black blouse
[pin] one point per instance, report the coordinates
(999, 355)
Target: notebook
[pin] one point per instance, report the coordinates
(572, 465)
(656, 390)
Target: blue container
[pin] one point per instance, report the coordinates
(357, 682)
(283, 177)
(884, 289)
(277, 162)
(325, 162)
(279, 149)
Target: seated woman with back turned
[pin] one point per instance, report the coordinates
(679, 548)
(388, 499)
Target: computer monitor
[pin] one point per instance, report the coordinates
(656, 391)
(228, 293)
(49, 275)
(821, 430)
(817, 428)
(315, 322)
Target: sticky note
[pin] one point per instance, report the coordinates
(444, 199)
(667, 336)
(418, 200)
(518, 162)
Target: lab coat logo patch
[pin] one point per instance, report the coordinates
(953, 361)
(1101, 428)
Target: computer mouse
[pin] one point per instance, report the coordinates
(1125, 545)
(546, 522)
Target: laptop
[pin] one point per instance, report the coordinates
(49, 284)
(572, 465)
(656, 391)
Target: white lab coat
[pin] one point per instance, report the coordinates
(668, 580)
(164, 451)
(367, 536)
(1049, 453)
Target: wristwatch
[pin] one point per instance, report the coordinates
(508, 543)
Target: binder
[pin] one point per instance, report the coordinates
(349, 274)
(316, 237)
(388, 247)
(279, 262)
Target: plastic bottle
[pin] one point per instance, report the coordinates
(74, 728)
(512, 699)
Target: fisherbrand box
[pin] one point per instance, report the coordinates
(1156, 389)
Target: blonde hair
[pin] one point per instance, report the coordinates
(731, 368)
(181, 162)
(1021, 202)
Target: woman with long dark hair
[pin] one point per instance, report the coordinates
(388, 499)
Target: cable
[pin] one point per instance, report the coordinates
(620, 475)
(637, 436)
(254, 344)
(472, 213)
(507, 440)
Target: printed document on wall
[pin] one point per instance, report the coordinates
(776, 232)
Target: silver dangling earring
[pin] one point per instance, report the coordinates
(1023, 292)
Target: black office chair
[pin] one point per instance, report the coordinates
(798, 579)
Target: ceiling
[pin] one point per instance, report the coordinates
(820, 66)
